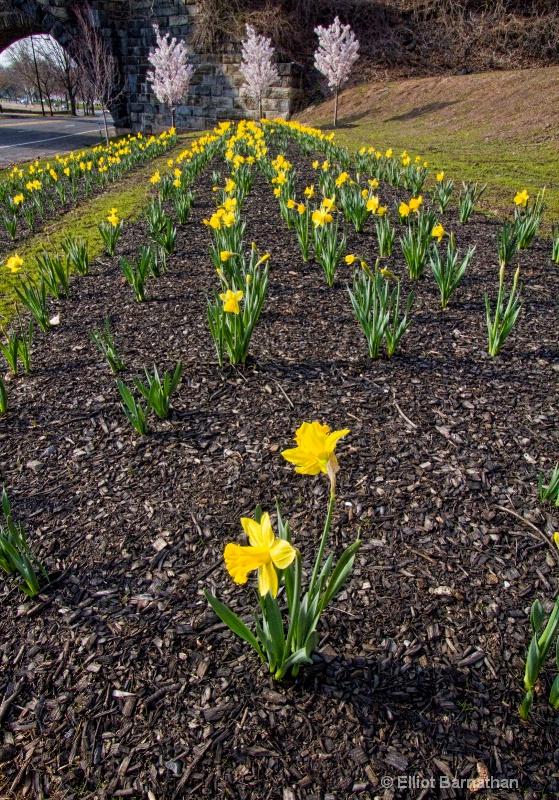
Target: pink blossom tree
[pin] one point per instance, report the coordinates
(257, 66)
(336, 54)
(171, 73)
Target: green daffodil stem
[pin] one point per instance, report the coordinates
(320, 553)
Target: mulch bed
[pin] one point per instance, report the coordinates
(129, 686)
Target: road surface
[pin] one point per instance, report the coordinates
(26, 138)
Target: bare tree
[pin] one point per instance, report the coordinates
(21, 69)
(62, 67)
(100, 74)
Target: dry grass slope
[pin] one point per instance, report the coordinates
(499, 127)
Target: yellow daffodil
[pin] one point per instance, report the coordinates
(328, 203)
(350, 259)
(381, 211)
(301, 208)
(406, 161)
(556, 539)
(291, 203)
(438, 232)
(404, 210)
(177, 173)
(342, 178)
(320, 217)
(156, 177)
(415, 203)
(113, 218)
(14, 263)
(364, 193)
(309, 191)
(315, 164)
(277, 191)
(265, 553)
(389, 153)
(315, 451)
(18, 199)
(417, 159)
(373, 183)
(440, 176)
(177, 183)
(372, 204)
(521, 198)
(325, 166)
(225, 255)
(231, 301)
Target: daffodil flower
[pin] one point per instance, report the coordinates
(415, 203)
(350, 259)
(372, 204)
(440, 176)
(301, 208)
(315, 451)
(320, 217)
(14, 263)
(521, 198)
(438, 232)
(265, 553)
(225, 255)
(309, 191)
(231, 301)
(403, 210)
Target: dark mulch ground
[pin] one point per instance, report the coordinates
(130, 687)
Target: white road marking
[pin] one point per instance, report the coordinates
(42, 141)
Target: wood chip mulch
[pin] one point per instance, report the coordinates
(119, 681)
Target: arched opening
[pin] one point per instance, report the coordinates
(39, 74)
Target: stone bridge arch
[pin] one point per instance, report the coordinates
(126, 26)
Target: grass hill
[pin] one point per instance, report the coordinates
(497, 127)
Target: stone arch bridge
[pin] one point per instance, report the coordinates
(126, 26)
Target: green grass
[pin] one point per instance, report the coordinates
(129, 196)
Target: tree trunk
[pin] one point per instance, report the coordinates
(336, 107)
(172, 116)
(106, 126)
(73, 109)
(259, 109)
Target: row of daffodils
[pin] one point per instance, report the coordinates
(344, 192)
(28, 194)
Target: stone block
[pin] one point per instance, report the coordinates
(180, 19)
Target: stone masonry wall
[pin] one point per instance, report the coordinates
(215, 92)
(126, 26)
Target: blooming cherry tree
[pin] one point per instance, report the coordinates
(257, 66)
(171, 73)
(336, 54)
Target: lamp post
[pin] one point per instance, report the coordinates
(37, 74)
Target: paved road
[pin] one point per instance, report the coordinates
(27, 138)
